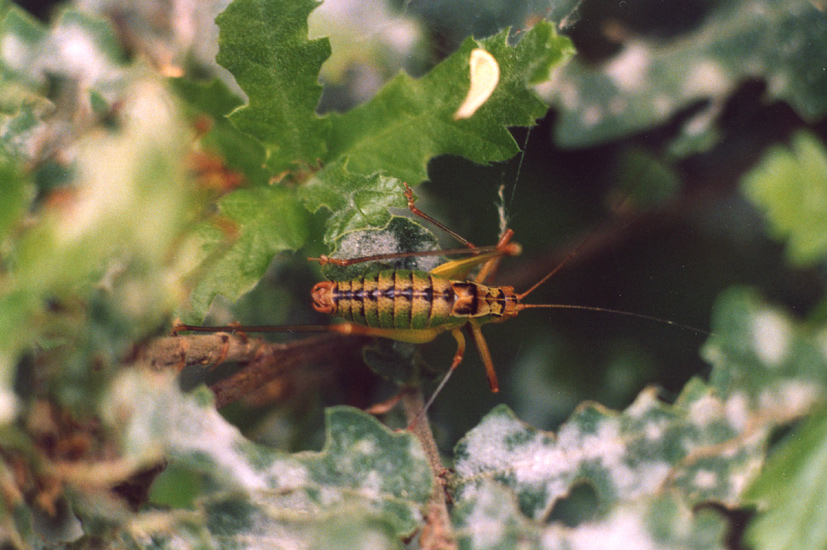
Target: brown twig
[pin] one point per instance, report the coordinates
(437, 533)
(262, 361)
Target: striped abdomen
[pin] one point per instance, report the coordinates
(407, 299)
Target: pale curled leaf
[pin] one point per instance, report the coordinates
(485, 74)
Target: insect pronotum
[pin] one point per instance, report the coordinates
(417, 306)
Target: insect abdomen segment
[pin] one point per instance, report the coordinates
(400, 298)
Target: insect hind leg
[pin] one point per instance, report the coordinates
(416, 211)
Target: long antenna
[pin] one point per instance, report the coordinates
(551, 273)
(615, 311)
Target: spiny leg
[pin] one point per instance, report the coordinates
(485, 355)
(416, 211)
(458, 336)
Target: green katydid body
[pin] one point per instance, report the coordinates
(417, 306)
(413, 300)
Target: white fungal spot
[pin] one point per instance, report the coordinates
(592, 115)
(8, 406)
(13, 52)
(705, 410)
(662, 104)
(485, 74)
(706, 78)
(628, 70)
(706, 479)
(624, 529)
(771, 335)
(737, 411)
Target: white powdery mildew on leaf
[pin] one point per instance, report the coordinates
(286, 475)
(14, 52)
(643, 404)
(543, 465)
(737, 411)
(592, 115)
(160, 421)
(623, 530)
(491, 520)
(488, 519)
(628, 71)
(790, 398)
(772, 334)
(706, 479)
(706, 410)
(706, 77)
(78, 55)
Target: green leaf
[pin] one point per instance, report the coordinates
(410, 121)
(14, 191)
(238, 150)
(237, 247)
(649, 80)
(366, 474)
(356, 201)
(177, 487)
(790, 185)
(264, 44)
(792, 492)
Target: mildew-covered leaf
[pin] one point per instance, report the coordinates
(626, 457)
(399, 235)
(78, 47)
(790, 185)
(706, 447)
(491, 519)
(763, 360)
(648, 81)
(256, 497)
